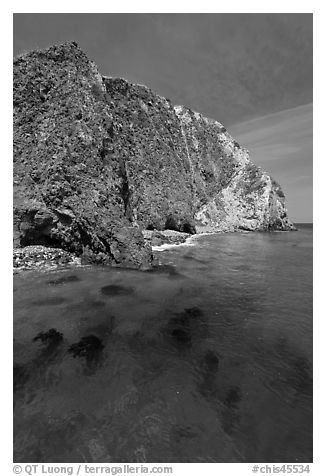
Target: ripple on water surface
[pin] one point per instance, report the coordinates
(207, 358)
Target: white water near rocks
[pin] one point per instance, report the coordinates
(206, 359)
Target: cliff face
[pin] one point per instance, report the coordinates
(97, 159)
(230, 191)
(67, 192)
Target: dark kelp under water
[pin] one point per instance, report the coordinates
(205, 359)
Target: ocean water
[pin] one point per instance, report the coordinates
(208, 358)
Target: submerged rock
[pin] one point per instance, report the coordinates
(211, 361)
(116, 290)
(20, 376)
(49, 301)
(98, 159)
(64, 280)
(89, 347)
(50, 337)
(233, 397)
(181, 326)
(167, 269)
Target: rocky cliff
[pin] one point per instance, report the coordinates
(97, 160)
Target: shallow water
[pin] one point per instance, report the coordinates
(207, 359)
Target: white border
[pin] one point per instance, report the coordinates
(168, 6)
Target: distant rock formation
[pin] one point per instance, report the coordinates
(97, 160)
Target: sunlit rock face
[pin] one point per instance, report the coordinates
(231, 192)
(98, 159)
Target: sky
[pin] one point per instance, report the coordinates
(231, 67)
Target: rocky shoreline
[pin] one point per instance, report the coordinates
(165, 237)
(41, 258)
(106, 169)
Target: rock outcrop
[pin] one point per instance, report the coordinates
(97, 160)
(231, 193)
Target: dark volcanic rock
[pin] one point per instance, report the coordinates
(98, 159)
(66, 194)
(170, 237)
(149, 141)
